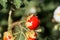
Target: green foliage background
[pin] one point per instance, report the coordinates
(45, 9)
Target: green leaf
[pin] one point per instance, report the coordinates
(49, 6)
(19, 12)
(3, 22)
(4, 10)
(17, 3)
(26, 2)
(1, 29)
(55, 30)
(3, 3)
(49, 25)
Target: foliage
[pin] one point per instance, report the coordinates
(20, 8)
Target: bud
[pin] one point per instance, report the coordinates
(32, 10)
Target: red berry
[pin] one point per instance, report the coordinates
(7, 36)
(33, 23)
(31, 38)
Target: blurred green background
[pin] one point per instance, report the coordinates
(45, 10)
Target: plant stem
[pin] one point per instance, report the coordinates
(9, 21)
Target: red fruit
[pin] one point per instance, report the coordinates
(31, 38)
(33, 22)
(7, 36)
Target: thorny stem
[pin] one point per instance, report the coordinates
(19, 23)
(23, 32)
(25, 29)
(16, 23)
(16, 33)
(21, 27)
(20, 34)
(24, 35)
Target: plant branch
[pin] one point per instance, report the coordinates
(9, 20)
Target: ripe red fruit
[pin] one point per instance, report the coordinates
(33, 22)
(31, 38)
(7, 36)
